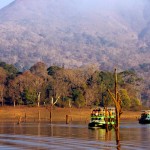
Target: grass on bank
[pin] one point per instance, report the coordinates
(33, 114)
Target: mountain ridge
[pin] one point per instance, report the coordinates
(64, 32)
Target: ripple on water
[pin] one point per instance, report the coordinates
(16, 142)
(69, 137)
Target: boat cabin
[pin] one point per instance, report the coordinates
(102, 116)
(145, 117)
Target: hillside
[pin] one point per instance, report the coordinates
(74, 33)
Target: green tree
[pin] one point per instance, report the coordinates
(52, 70)
(11, 70)
(78, 98)
(135, 102)
(107, 78)
(29, 97)
(125, 99)
(3, 77)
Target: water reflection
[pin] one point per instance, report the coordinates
(101, 134)
(72, 136)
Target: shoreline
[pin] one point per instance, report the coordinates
(42, 114)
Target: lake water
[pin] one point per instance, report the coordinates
(61, 136)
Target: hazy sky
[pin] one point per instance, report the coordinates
(4, 3)
(92, 3)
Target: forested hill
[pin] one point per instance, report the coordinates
(80, 87)
(75, 33)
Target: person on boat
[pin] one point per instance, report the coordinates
(96, 113)
(106, 113)
(92, 113)
(110, 112)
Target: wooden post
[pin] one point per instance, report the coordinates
(70, 111)
(50, 115)
(39, 115)
(19, 119)
(50, 108)
(67, 119)
(25, 117)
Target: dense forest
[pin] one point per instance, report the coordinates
(78, 87)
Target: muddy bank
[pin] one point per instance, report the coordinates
(31, 114)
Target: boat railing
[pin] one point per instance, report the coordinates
(103, 112)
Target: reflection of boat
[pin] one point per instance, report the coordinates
(102, 117)
(145, 117)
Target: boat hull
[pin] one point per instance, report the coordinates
(93, 125)
(141, 121)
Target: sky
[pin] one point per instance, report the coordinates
(4, 3)
(90, 3)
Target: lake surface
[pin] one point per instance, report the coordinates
(61, 136)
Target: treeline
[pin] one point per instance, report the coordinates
(79, 87)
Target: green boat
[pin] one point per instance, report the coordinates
(102, 117)
(145, 117)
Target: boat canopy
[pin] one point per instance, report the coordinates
(103, 110)
(145, 111)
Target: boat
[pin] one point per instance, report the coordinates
(102, 117)
(145, 117)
